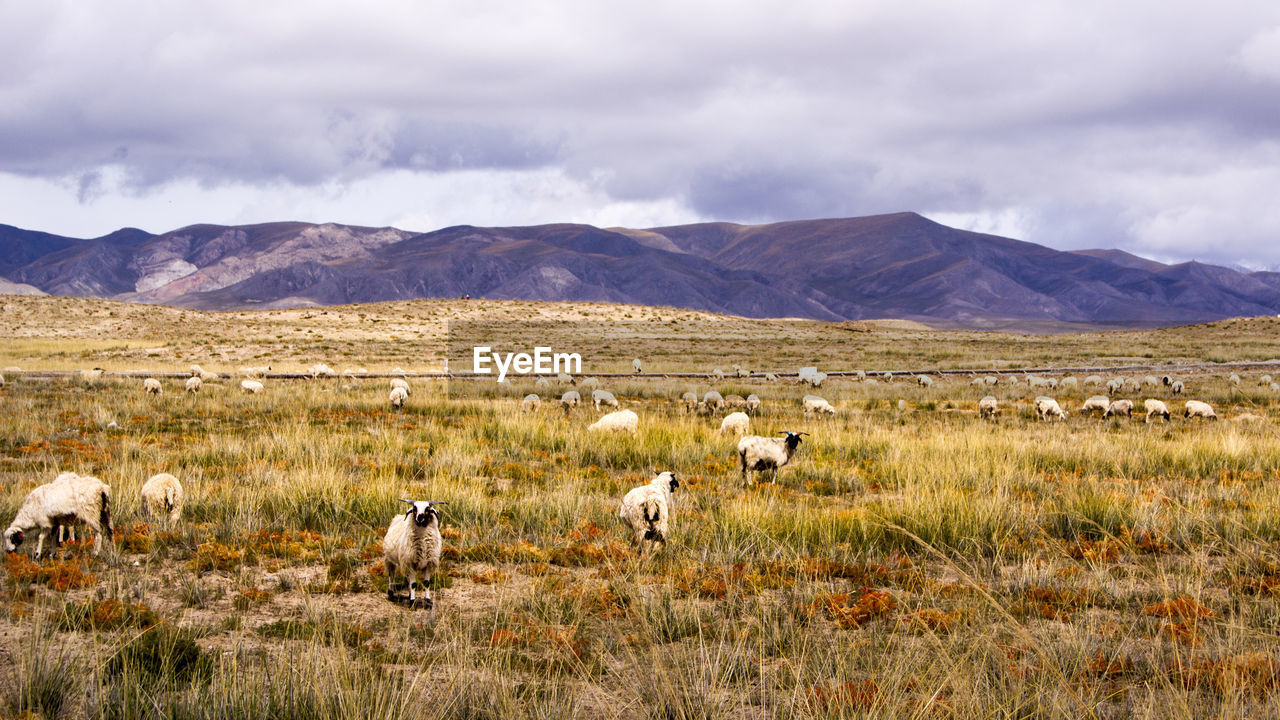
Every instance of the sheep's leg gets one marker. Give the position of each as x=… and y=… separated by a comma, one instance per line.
x=413, y=595
x=40, y=541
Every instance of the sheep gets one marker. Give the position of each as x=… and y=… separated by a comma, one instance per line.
x=531, y=402
x=569, y=400
x=193, y=383
x=737, y=423
x=412, y=547
x=589, y=383
x=1166, y=380
x=251, y=386
x=1151, y=380
x=1132, y=385
x=1, y=381
x=888, y=376
x=1275, y=387
x=735, y=402
x=758, y=453
x=603, y=397
x=151, y=386
x=647, y=511
x=1264, y=380
x=713, y=400
x=635, y=366
x=402, y=384
x=1118, y=408
x=1154, y=408
x=542, y=383
x=978, y=381
x=860, y=374
x=1093, y=380
x=70, y=498
x=810, y=376
x=1198, y=409
x=1012, y=379
x=1234, y=379
x=255, y=372
x=1069, y=382
x=770, y=377
x=703, y=408
x=320, y=370
x=1096, y=403
x=398, y=397
x=924, y=381
x=564, y=378
x=1035, y=381
x=753, y=404
x=90, y=377
x=1176, y=387
x=739, y=372
x=1047, y=408
x=617, y=421
x=716, y=374
x=690, y=400
x=1114, y=385
x=988, y=407
x=162, y=495
x=814, y=404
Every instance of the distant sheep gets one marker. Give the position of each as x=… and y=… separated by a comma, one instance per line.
x=740, y=372
x=162, y=496
x=255, y=372
x=1198, y=409
x=1068, y=383
x=988, y=407
x=770, y=377
x=69, y=499
x=564, y=378
x=1096, y=404
x=817, y=405
x=151, y=386
x=1035, y=381
x=412, y=548
x=716, y=375
x=569, y=401
x=589, y=383
x=758, y=454
x=193, y=384
x=320, y=370
x=1264, y=380
x=204, y=375
x=542, y=383
x=860, y=375
x=753, y=404
x=603, y=398
x=1155, y=408
x=1115, y=385
x=251, y=386
x=924, y=381
x=1151, y=381
x=1047, y=409
x=531, y=402
x=1234, y=379
x=617, y=421
x=690, y=400
x=1118, y=408
x=398, y=397
x=635, y=365
x=1176, y=387
x=810, y=376
x=1093, y=380
x=402, y=384
x=713, y=400
x=737, y=423
x=1166, y=380
x=735, y=402
x=647, y=511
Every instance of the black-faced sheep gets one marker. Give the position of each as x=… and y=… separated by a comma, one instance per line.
x=412, y=548
x=758, y=453
x=647, y=511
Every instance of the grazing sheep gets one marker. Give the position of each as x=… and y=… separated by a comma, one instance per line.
x=736, y=422
x=193, y=383
x=398, y=397
x=569, y=401
x=690, y=400
x=251, y=386
x=647, y=511
x=151, y=386
x=1197, y=409
x=635, y=366
x=564, y=378
x=1151, y=380
x=703, y=409
x=758, y=453
x=817, y=405
x=810, y=376
x=69, y=499
x=162, y=496
x=1166, y=380
x=1012, y=379
x=1093, y=380
x=924, y=381
x=1096, y=403
x=617, y=421
x=753, y=404
x=590, y=382
x=1114, y=385
x=412, y=547
x=1264, y=380
x=1176, y=387
x=988, y=407
x=320, y=370
x=1068, y=382
x=713, y=400
x=991, y=380
x=860, y=374
x=542, y=383
x=735, y=402
x=90, y=377
x=603, y=397
x=978, y=381
x=402, y=384
x=255, y=372
x=1047, y=408
x=739, y=372
x=1132, y=385
x=716, y=374
x=1035, y=381
x=770, y=377
x=1155, y=408
x=1275, y=387
x=1118, y=408
x=1234, y=379
x=531, y=402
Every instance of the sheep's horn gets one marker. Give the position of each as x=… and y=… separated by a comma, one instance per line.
x=437, y=502
x=802, y=433
x=406, y=501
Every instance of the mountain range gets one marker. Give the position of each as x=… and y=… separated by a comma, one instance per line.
x=886, y=266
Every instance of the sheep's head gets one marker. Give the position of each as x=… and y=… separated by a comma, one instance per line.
x=12, y=539
x=793, y=439
x=670, y=479
x=422, y=512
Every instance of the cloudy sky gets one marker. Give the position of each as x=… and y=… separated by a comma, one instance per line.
x=1150, y=126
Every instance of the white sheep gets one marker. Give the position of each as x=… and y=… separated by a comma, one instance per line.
x=758, y=453
x=1151, y=380
x=564, y=378
x=988, y=407
x=69, y=499
x=635, y=366
x=151, y=386
x=531, y=402
x=1234, y=379
x=162, y=495
x=753, y=404
x=402, y=384
x=810, y=376
x=740, y=372
x=1047, y=408
x=1275, y=387
x=690, y=400
x=398, y=397
x=590, y=382
x=1096, y=403
x=412, y=548
x=716, y=374
x=817, y=405
x=1176, y=387
x=924, y=381
x=1198, y=409
x=193, y=383
x=1068, y=382
x=252, y=387
x=618, y=421
x=255, y=372
x=603, y=397
x=320, y=370
x=1166, y=380
x=737, y=423
x=735, y=402
x=1035, y=381
x=978, y=381
x=1093, y=380
x=1114, y=385
x=542, y=383
x=1264, y=380
x=1155, y=408
x=991, y=380
x=770, y=377
x=713, y=400
x=1118, y=408
x=647, y=511
x=569, y=401
x=860, y=375
x=204, y=375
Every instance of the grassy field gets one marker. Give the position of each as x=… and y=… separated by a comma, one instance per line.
x=914, y=561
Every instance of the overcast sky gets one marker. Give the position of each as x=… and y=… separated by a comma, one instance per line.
x=1150, y=126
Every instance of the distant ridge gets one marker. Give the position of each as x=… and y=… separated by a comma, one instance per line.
x=900, y=265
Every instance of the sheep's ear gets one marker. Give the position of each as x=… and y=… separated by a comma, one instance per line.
x=16, y=538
